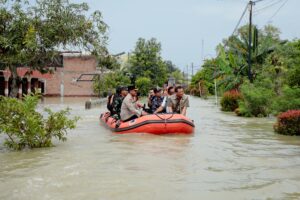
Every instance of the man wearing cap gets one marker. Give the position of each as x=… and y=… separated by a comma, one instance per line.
x=129, y=109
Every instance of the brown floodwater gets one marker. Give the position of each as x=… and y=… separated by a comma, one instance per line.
x=228, y=157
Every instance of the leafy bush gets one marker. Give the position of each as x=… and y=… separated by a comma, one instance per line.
x=293, y=76
x=27, y=128
x=229, y=101
x=143, y=84
x=257, y=100
x=193, y=91
x=290, y=100
x=288, y=123
x=109, y=82
x=243, y=110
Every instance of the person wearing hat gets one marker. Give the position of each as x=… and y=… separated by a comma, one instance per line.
x=117, y=102
x=129, y=109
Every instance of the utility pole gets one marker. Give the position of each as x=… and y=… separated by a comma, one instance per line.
x=187, y=75
x=215, y=82
x=202, y=50
x=251, y=3
x=192, y=69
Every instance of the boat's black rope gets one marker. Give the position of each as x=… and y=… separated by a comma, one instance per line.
x=164, y=118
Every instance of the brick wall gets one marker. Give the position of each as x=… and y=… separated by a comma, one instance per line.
x=66, y=76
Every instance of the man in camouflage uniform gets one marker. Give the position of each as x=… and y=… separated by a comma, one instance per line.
x=117, y=103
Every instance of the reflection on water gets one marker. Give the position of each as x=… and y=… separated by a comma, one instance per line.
x=227, y=158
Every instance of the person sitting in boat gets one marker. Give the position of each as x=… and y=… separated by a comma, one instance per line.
x=157, y=100
x=117, y=102
x=151, y=95
x=130, y=109
x=171, y=91
x=179, y=102
x=110, y=100
x=164, y=106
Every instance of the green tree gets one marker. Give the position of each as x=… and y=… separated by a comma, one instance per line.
x=110, y=81
x=177, y=74
x=205, y=76
x=27, y=128
x=230, y=66
x=33, y=34
x=171, y=67
x=275, y=69
x=233, y=54
x=146, y=61
x=144, y=84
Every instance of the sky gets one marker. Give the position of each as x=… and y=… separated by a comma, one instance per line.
x=182, y=25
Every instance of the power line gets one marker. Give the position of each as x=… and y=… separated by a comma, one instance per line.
x=277, y=11
x=238, y=24
x=267, y=6
x=267, y=3
x=240, y=20
x=257, y=1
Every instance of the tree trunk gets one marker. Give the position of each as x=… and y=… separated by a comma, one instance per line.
x=14, y=85
x=277, y=81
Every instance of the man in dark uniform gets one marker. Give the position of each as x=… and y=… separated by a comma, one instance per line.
x=157, y=100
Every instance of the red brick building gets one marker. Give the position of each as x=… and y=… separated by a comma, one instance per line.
x=61, y=83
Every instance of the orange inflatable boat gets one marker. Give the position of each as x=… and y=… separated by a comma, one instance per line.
x=156, y=124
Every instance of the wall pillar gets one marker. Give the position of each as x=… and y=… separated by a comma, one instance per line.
x=37, y=87
x=28, y=85
x=45, y=87
x=6, y=84
x=20, y=92
x=40, y=85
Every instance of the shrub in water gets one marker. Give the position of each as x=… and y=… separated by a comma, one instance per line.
x=27, y=128
x=229, y=101
x=243, y=110
x=288, y=123
x=256, y=101
x=289, y=100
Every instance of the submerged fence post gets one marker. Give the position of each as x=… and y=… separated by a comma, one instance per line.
x=88, y=104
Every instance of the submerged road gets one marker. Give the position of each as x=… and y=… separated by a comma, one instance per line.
x=228, y=157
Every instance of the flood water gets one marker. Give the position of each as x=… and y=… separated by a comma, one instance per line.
x=227, y=158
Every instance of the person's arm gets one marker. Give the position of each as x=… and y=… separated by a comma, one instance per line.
x=112, y=99
x=170, y=106
x=186, y=105
x=183, y=112
x=158, y=110
x=149, y=101
x=139, y=104
x=162, y=106
x=131, y=107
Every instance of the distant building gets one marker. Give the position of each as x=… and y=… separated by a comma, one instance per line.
x=63, y=81
x=171, y=81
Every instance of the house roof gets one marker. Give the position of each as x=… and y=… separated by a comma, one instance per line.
x=23, y=71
